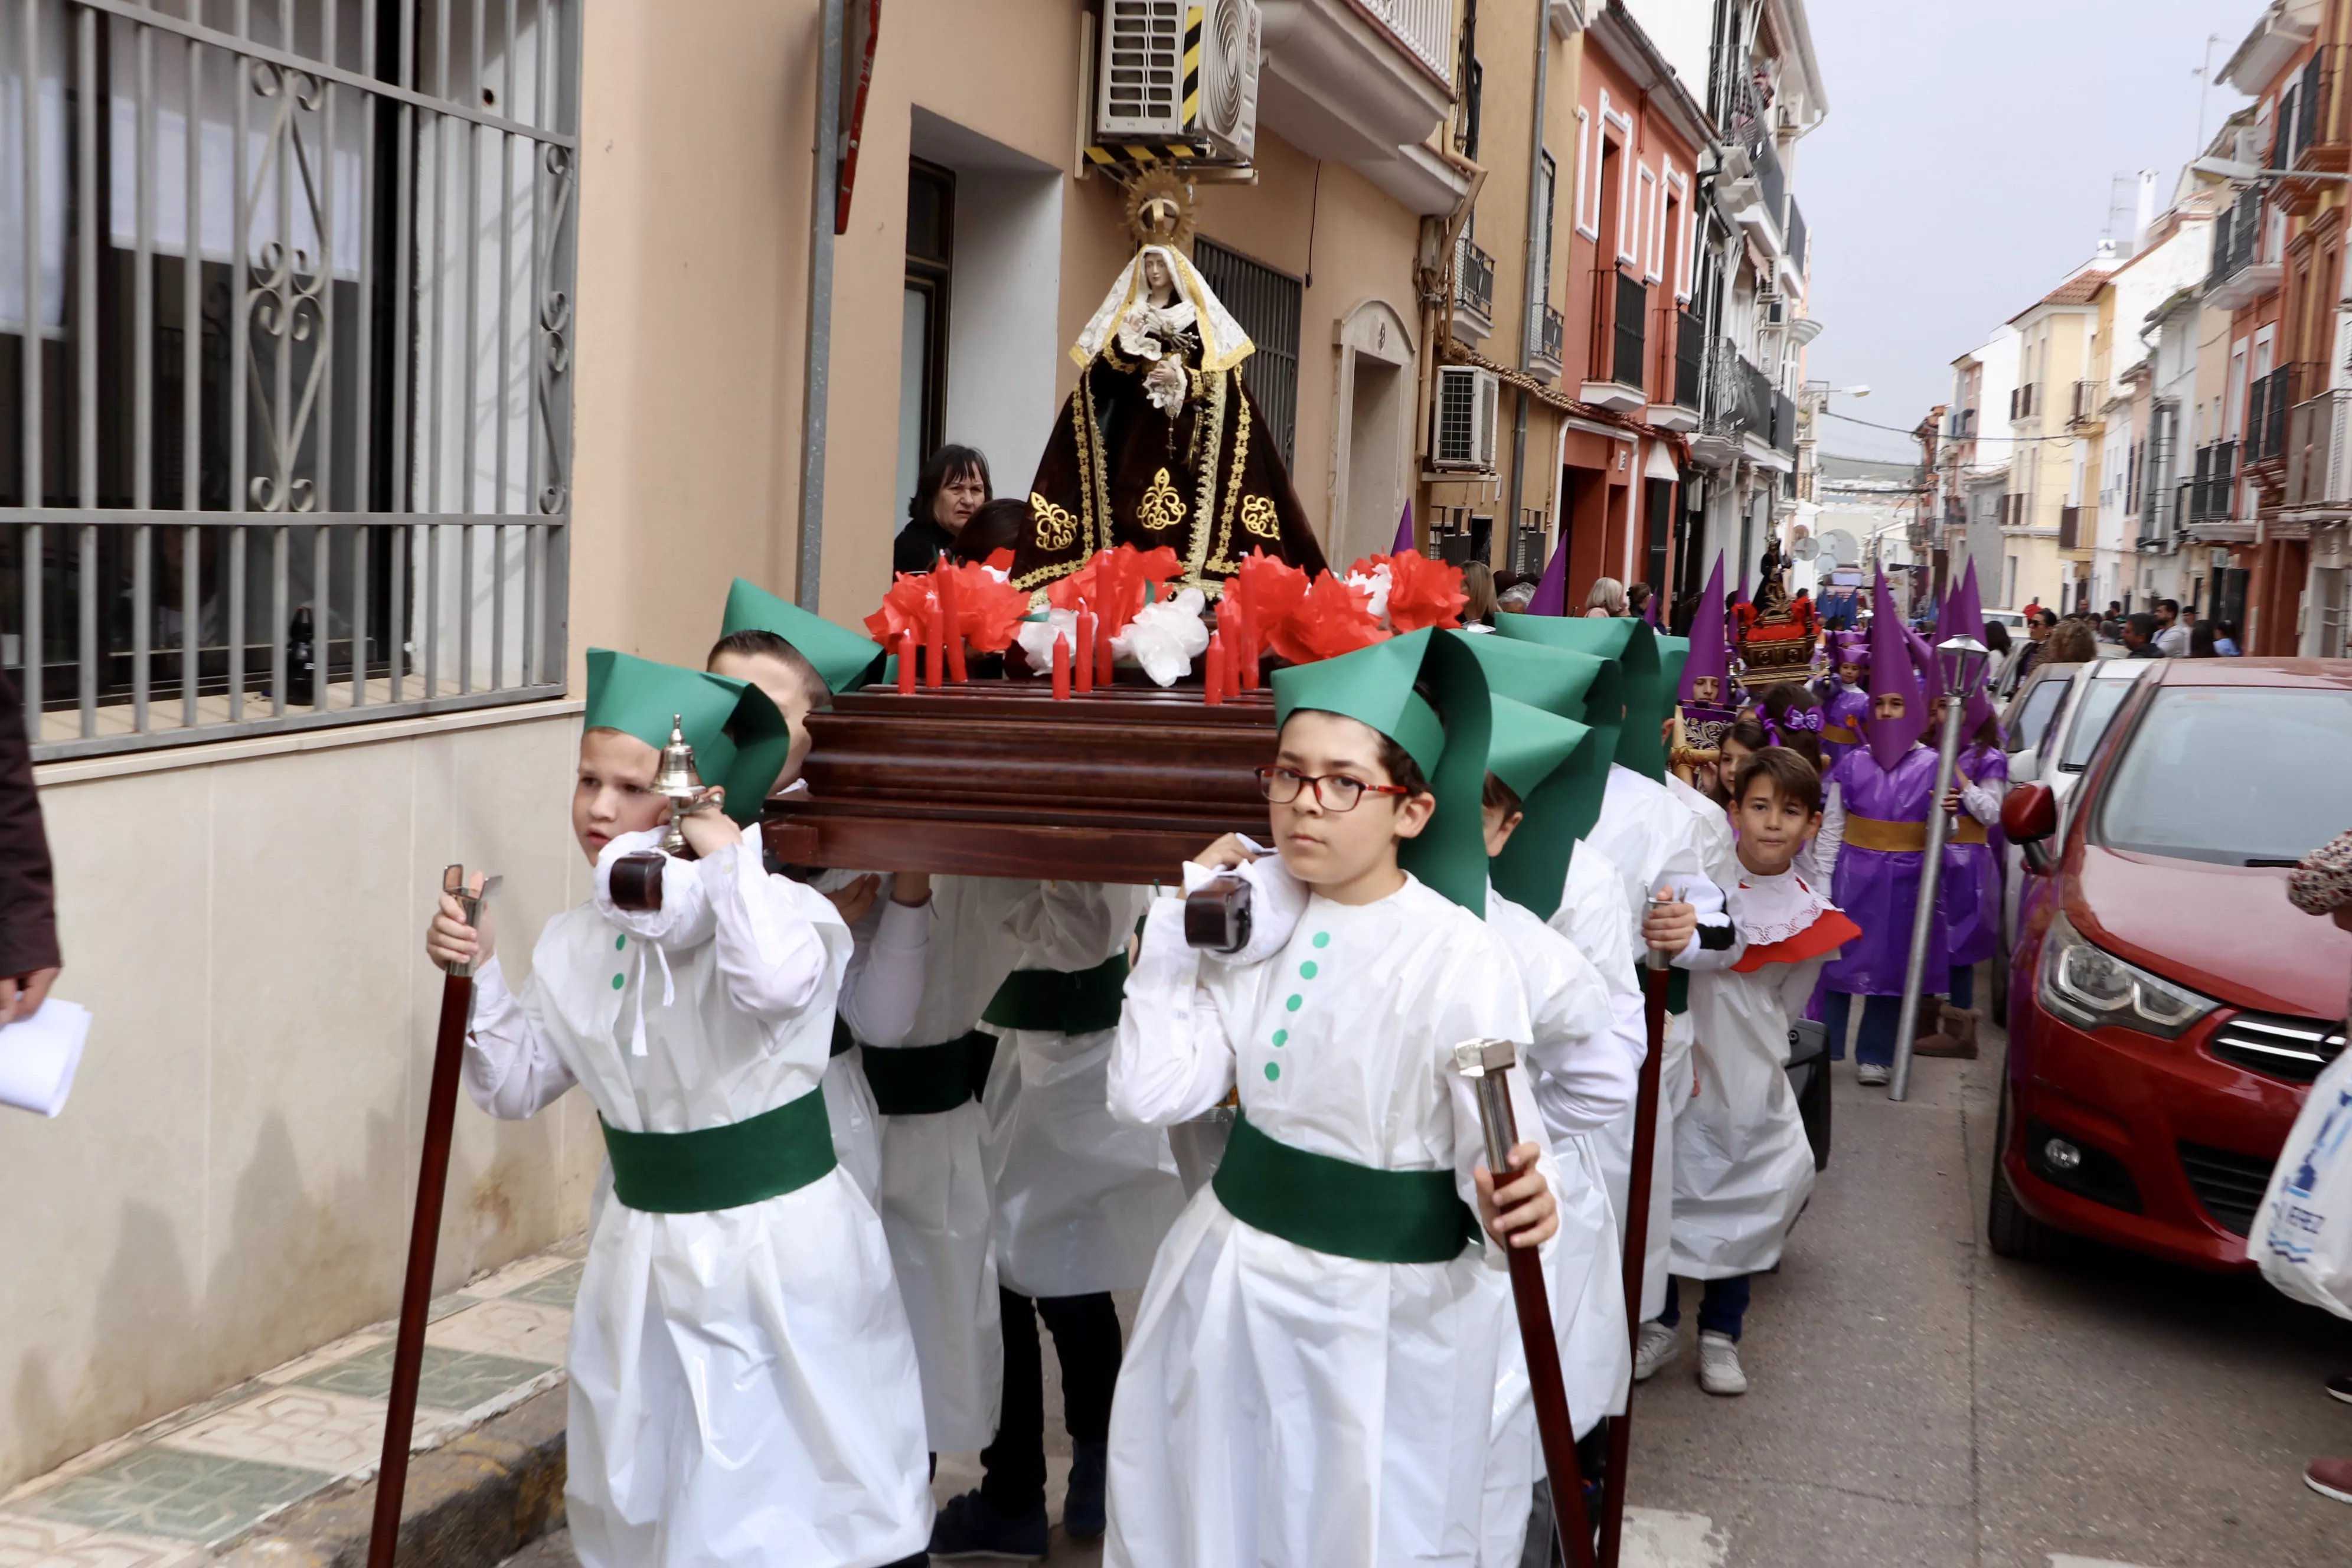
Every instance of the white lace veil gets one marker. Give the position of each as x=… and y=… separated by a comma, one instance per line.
x=1223, y=343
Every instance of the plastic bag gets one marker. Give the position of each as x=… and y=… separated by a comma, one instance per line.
x=2303, y=1232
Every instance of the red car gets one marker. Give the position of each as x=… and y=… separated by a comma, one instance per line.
x=2168, y=1004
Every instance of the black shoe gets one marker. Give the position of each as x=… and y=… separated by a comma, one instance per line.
x=2340, y=1388
x=968, y=1527
x=1082, y=1509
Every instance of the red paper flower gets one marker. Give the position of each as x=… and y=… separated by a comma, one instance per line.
x=1331, y=619
x=987, y=608
x=1272, y=588
x=1117, y=582
x=906, y=607
x=1423, y=592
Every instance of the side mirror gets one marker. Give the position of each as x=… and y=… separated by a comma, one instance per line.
x=2028, y=815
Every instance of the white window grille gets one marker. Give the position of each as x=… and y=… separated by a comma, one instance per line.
x=287, y=442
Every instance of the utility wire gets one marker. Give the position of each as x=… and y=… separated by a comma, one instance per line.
x=2018, y=441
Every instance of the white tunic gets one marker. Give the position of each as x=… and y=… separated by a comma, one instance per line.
x=1082, y=1200
x=878, y=1002
x=1279, y=1405
x=743, y=1388
x=936, y=1206
x=1743, y=1168
x=1586, y=1073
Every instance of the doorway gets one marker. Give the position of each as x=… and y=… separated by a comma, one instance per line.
x=1373, y=503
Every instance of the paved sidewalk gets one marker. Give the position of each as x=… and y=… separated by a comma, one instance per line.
x=181, y=1488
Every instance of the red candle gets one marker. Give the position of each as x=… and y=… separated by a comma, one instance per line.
x=1106, y=671
x=1212, y=681
x=1245, y=624
x=1234, y=661
x=935, y=640
x=1082, y=664
x=953, y=624
x=906, y=663
x=1061, y=668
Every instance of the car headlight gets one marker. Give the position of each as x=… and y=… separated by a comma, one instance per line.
x=2092, y=988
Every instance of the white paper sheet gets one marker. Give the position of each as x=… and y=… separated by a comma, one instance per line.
x=39, y=1056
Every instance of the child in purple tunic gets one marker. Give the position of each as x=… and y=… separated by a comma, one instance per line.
x=1847, y=706
x=1969, y=893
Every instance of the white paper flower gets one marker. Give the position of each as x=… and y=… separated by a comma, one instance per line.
x=1166, y=636
x=1377, y=585
x=1036, y=639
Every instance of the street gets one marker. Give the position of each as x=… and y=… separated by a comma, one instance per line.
x=1916, y=1400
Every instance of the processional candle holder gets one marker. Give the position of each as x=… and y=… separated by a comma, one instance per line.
x=1960, y=665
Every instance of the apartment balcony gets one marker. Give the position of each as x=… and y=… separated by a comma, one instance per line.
x=1690, y=377
x=2319, y=453
x=1473, y=291
x=1784, y=425
x=2212, y=489
x=1794, y=228
x=1550, y=336
x=1616, y=379
x=2315, y=124
x=1364, y=82
x=2268, y=402
x=2243, y=270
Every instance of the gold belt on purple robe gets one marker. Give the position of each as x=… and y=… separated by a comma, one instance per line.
x=1839, y=733
x=1907, y=837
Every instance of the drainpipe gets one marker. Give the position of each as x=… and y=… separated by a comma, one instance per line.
x=1527, y=305
x=817, y=382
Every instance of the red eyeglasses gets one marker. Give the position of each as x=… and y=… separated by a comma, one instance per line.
x=1333, y=792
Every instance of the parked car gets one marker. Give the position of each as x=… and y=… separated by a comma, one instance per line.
x=2088, y=702
x=2168, y=1004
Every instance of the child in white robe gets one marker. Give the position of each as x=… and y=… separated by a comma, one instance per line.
x=1311, y=1377
x=1743, y=1167
x=743, y=1386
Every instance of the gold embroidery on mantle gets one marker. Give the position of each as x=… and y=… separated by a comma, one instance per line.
x=1221, y=559
x=1056, y=528
x=1161, y=507
x=1258, y=516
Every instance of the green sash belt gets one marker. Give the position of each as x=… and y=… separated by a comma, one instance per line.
x=1339, y=1207
x=776, y=1152
x=1051, y=1000
x=924, y=1080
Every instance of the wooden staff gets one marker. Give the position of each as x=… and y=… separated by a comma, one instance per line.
x=1637, y=1238
x=425, y=1234
x=1487, y=1064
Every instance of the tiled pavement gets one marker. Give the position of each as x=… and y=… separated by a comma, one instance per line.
x=164, y=1495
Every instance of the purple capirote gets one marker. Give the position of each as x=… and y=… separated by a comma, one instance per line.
x=1893, y=673
x=1879, y=888
x=1970, y=894
x=1710, y=646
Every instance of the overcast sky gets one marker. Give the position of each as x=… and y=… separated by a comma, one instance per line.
x=1964, y=169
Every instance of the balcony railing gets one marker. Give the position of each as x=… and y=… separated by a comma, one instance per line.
x=1629, y=334
x=1551, y=334
x=1784, y=423
x=1690, y=360
x=2319, y=451
x=2211, y=491
x=2314, y=136
x=1424, y=26
x=1474, y=281
x=1795, y=230
x=2268, y=402
x=2237, y=240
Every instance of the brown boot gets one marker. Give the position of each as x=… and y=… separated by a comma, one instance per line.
x=1955, y=1037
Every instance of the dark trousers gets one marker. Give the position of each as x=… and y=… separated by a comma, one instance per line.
x=1881, y=1014
x=1086, y=1340
x=1722, y=1306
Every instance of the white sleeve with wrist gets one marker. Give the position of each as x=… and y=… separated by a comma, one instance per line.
x=769, y=956
x=1982, y=802
x=1172, y=1060
x=1832, y=837
x=511, y=1072
x=885, y=984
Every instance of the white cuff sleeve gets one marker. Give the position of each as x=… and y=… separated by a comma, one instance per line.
x=511, y=1072
x=769, y=955
x=1170, y=1060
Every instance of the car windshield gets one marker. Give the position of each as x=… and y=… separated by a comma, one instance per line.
x=2091, y=715
x=2034, y=715
x=2235, y=775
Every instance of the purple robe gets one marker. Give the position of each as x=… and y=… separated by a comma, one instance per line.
x=1970, y=891
x=1845, y=709
x=1877, y=888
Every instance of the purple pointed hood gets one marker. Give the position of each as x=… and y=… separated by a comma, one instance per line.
x=1710, y=653
x=1551, y=591
x=1965, y=614
x=1892, y=672
x=1404, y=544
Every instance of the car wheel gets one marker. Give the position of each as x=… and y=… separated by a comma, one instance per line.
x=2012, y=1232
x=2000, y=988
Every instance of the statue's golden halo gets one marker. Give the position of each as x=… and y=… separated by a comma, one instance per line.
x=1159, y=208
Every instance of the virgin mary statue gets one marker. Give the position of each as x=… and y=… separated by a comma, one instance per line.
x=1161, y=443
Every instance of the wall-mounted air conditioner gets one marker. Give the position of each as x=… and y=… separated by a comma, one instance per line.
x=1145, y=92
x=1465, y=418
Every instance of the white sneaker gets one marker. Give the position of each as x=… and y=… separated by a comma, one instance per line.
x=1870, y=1073
x=1718, y=1364
x=1657, y=1346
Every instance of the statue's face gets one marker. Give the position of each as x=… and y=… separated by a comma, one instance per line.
x=1155, y=273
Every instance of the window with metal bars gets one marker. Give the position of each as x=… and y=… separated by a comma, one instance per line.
x=1266, y=303
x=286, y=403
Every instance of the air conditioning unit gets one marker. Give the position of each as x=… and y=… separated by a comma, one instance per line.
x=1775, y=309
x=1467, y=401
x=1146, y=91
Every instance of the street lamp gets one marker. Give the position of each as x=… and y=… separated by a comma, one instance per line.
x=1960, y=664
